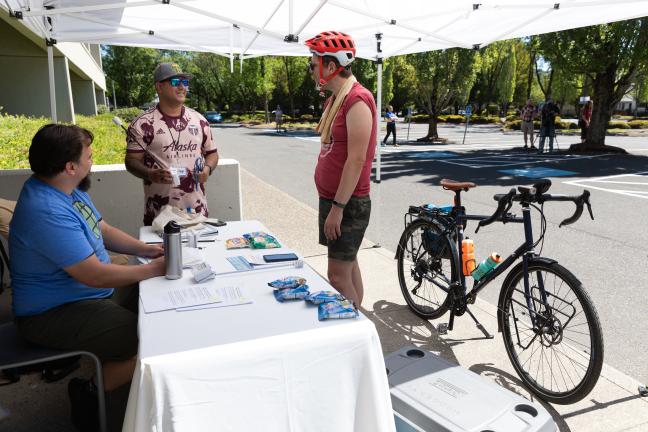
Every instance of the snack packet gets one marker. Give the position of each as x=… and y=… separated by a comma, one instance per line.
x=324, y=297
x=288, y=282
x=237, y=243
x=291, y=293
x=261, y=240
x=336, y=310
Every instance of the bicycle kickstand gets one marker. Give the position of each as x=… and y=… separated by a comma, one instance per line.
x=480, y=325
x=443, y=328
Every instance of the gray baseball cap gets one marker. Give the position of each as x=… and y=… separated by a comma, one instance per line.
x=165, y=71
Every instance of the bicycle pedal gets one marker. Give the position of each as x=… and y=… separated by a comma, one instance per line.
x=442, y=328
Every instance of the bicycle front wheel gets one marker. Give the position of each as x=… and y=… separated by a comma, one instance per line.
x=427, y=261
x=554, y=340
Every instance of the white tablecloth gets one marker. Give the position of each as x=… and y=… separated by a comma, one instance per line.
x=265, y=366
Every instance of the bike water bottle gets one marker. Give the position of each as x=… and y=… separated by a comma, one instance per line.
x=467, y=256
x=173, y=250
x=486, y=266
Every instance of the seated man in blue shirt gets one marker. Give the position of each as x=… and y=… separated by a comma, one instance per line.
x=66, y=292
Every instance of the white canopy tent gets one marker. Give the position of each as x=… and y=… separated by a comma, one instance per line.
x=252, y=28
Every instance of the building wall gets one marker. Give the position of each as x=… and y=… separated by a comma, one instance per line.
x=24, y=78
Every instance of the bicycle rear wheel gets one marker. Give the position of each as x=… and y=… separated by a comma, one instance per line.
x=559, y=357
x=427, y=261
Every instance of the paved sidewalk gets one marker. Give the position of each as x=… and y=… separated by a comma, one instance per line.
x=614, y=404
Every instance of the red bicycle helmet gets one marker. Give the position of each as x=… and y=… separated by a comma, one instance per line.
x=335, y=44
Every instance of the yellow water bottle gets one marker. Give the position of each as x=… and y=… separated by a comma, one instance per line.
x=467, y=256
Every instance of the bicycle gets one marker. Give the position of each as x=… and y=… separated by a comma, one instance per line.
x=549, y=325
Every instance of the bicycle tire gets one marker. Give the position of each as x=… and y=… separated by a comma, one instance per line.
x=562, y=328
x=425, y=270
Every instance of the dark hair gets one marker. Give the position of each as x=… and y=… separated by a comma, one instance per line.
x=344, y=73
x=54, y=145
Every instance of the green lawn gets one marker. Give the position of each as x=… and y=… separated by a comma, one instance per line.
x=16, y=133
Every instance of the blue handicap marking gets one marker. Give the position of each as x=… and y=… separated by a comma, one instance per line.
x=431, y=155
x=537, y=172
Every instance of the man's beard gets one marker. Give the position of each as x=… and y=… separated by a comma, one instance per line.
x=84, y=185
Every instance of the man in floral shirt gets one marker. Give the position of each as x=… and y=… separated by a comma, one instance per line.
x=170, y=147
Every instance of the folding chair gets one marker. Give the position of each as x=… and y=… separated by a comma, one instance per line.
x=17, y=352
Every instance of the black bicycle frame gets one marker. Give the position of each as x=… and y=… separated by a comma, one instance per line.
x=525, y=250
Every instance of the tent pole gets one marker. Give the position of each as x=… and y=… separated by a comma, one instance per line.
x=379, y=61
x=52, y=85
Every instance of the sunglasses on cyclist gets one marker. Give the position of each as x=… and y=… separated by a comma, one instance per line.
x=175, y=82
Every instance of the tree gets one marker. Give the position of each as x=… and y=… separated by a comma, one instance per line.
x=295, y=70
x=495, y=79
x=438, y=78
x=132, y=71
x=610, y=56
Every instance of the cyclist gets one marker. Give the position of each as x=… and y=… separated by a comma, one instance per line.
x=348, y=138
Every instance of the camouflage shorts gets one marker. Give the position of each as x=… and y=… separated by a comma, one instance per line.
x=355, y=220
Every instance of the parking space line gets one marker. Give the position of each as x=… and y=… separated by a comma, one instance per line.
x=589, y=183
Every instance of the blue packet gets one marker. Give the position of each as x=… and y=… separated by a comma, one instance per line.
x=336, y=310
x=298, y=293
x=287, y=282
x=324, y=297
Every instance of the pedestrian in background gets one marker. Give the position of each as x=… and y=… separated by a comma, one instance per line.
x=548, y=123
x=390, y=118
x=585, y=119
x=528, y=113
x=278, y=118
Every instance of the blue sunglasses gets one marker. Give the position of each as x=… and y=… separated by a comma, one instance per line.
x=175, y=82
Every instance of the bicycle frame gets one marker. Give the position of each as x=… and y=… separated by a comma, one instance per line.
x=524, y=251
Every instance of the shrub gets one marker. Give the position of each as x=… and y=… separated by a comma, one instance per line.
x=306, y=118
x=512, y=117
x=484, y=120
x=102, y=109
x=638, y=124
x=513, y=124
x=420, y=118
x=127, y=114
x=454, y=119
x=617, y=125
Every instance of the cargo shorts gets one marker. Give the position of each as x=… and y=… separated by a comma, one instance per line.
x=355, y=219
x=105, y=327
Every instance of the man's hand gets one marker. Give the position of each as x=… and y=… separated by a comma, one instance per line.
x=159, y=268
x=159, y=175
x=151, y=251
x=203, y=175
x=332, y=224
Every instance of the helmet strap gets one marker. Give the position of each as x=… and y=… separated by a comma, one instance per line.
x=323, y=80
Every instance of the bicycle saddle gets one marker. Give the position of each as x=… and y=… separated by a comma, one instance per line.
x=454, y=185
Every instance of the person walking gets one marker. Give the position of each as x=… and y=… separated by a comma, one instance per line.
x=390, y=118
x=528, y=114
x=585, y=119
x=348, y=130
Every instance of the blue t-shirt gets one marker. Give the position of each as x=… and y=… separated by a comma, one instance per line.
x=390, y=116
x=49, y=231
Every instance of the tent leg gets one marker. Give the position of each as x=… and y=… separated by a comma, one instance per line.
x=52, y=85
x=378, y=116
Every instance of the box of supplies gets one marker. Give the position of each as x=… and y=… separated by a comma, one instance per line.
x=432, y=394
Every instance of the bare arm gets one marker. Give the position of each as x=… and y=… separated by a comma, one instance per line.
x=118, y=241
x=94, y=273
